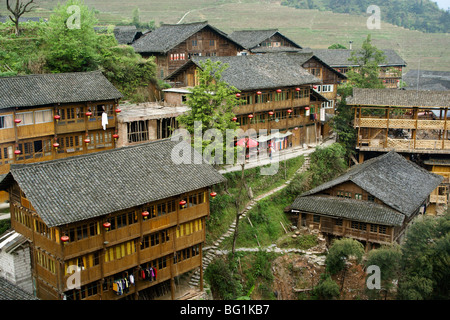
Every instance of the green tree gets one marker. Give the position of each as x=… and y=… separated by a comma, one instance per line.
x=388, y=259
x=368, y=59
x=337, y=46
x=70, y=41
x=326, y=289
x=327, y=163
x=339, y=254
x=210, y=104
x=425, y=260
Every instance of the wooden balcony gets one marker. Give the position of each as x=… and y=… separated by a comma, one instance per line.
x=118, y=265
x=152, y=253
x=159, y=223
x=190, y=240
x=35, y=130
x=122, y=234
x=272, y=105
x=86, y=276
x=194, y=212
x=438, y=199
x=404, y=145
x=424, y=124
x=7, y=135
x=74, y=249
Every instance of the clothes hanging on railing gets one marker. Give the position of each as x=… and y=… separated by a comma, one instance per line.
x=149, y=274
x=121, y=286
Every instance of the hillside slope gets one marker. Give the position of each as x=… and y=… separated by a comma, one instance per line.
x=309, y=28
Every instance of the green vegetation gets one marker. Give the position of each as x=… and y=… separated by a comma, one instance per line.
x=424, y=15
x=54, y=47
x=210, y=111
x=368, y=58
x=223, y=210
x=326, y=289
x=4, y=225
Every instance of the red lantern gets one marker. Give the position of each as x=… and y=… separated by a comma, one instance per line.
x=87, y=140
x=314, y=87
x=64, y=239
x=259, y=93
x=289, y=111
x=17, y=121
x=238, y=95
x=88, y=114
x=270, y=113
x=297, y=89
x=234, y=119
x=57, y=117
x=56, y=145
x=182, y=203
x=118, y=110
x=296, y=128
x=17, y=152
x=384, y=81
x=213, y=194
x=145, y=215
x=115, y=136
x=306, y=108
x=107, y=225
x=278, y=90
x=250, y=116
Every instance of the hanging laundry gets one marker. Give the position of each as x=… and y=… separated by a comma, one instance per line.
x=104, y=120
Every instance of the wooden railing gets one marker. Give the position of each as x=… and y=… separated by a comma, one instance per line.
x=272, y=105
x=438, y=199
x=400, y=123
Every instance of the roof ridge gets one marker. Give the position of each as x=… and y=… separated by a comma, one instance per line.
x=50, y=74
x=19, y=166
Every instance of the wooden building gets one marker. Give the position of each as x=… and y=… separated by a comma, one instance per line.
x=391, y=72
x=275, y=92
x=263, y=41
x=114, y=224
x=174, y=44
x=149, y=121
x=413, y=123
x=372, y=202
x=50, y=116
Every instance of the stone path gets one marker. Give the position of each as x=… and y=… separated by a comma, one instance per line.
x=209, y=253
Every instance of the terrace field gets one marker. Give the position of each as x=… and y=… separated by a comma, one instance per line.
x=309, y=28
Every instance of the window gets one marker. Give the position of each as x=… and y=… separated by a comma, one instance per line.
x=316, y=219
x=137, y=131
x=326, y=88
x=377, y=228
x=6, y=121
x=43, y=116
x=358, y=196
x=84, y=231
x=358, y=225
x=26, y=117
x=119, y=251
x=211, y=43
x=371, y=198
x=338, y=222
x=194, y=43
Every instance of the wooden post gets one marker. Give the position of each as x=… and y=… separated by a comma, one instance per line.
x=445, y=128
x=416, y=117
x=201, y=264
x=388, y=110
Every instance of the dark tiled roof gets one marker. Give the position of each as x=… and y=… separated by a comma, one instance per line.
x=251, y=39
x=405, y=98
x=350, y=209
x=340, y=57
x=168, y=36
x=427, y=80
x=9, y=291
x=259, y=72
x=397, y=182
x=82, y=187
x=125, y=34
x=43, y=89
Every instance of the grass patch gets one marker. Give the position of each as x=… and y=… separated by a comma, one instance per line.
x=304, y=242
x=222, y=207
